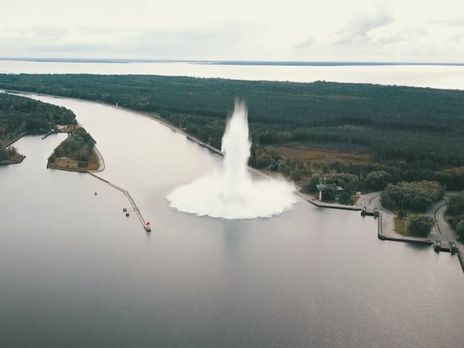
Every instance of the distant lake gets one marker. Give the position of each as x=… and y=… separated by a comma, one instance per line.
x=435, y=76
x=75, y=272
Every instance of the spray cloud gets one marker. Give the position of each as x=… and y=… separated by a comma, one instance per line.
x=232, y=193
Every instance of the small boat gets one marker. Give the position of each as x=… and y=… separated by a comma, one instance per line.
x=147, y=227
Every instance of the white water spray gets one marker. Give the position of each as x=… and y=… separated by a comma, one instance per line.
x=232, y=193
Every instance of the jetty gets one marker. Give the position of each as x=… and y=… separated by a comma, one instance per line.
x=145, y=224
x=53, y=131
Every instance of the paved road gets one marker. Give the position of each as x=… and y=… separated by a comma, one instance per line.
x=441, y=229
x=370, y=200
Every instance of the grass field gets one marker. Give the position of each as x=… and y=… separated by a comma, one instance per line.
x=319, y=155
x=69, y=164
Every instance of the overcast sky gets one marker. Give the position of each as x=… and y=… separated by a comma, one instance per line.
x=340, y=30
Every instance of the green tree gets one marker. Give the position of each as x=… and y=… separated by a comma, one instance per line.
x=415, y=196
x=420, y=225
x=378, y=179
x=456, y=205
x=460, y=229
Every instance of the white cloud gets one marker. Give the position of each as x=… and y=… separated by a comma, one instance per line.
x=410, y=30
x=359, y=30
x=308, y=42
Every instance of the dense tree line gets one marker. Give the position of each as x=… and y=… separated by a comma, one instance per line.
x=9, y=153
x=413, y=196
x=411, y=134
x=78, y=147
x=455, y=214
x=20, y=115
x=420, y=225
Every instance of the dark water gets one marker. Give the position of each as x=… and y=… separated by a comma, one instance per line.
x=75, y=272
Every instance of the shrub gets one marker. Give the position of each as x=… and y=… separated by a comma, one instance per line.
x=378, y=179
x=460, y=229
x=420, y=225
x=415, y=196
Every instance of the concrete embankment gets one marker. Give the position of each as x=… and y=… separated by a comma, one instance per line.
x=461, y=256
x=320, y=204
x=385, y=232
x=390, y=235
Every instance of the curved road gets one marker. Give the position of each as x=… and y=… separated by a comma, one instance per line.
x=441, y=229
x=370, y=200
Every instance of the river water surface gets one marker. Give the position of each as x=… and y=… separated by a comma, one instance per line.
x=75, y=272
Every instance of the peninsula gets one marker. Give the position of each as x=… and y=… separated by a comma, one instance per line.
x=21, y=116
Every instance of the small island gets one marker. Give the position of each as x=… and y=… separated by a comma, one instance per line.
x=76, y=153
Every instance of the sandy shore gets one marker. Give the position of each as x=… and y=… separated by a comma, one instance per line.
x=101, y=161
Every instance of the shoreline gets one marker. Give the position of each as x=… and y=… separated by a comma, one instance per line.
x=157, y=117
x=15, y=139
x=9, y=143
x=12, y=161
x=101, y=161
x=95, y=153
x=386, y=217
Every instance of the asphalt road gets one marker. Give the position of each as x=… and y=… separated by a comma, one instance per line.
x=370, y=200
x=441, y=229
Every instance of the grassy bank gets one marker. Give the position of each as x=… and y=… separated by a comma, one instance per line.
x=76, y=153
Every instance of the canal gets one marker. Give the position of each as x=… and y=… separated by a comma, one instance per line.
x=74, y=271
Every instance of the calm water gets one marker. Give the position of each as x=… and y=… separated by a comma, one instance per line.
x=75, y=272
x=419, y=76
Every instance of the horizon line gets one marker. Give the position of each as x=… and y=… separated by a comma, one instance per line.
x=230, y=62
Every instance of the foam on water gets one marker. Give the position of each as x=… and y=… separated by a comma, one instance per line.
x=231, y=192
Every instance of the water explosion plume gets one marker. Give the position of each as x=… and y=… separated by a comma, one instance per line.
x=232, y=193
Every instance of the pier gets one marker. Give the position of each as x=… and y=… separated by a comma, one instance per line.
x=53, y=131
x=145, y=224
